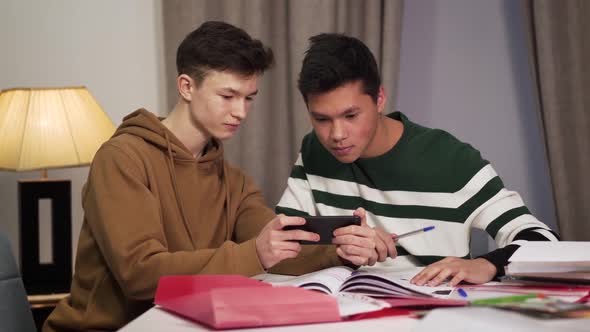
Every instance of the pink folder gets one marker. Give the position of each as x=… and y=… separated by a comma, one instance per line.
x=231, y=301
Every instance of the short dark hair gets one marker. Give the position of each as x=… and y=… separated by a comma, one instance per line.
x=221, y=46
x=335, y=59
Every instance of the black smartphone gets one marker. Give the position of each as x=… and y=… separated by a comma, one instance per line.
x=325, y=226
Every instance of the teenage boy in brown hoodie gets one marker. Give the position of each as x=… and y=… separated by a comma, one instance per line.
x=161, y=200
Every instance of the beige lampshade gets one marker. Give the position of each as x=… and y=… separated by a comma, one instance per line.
x=50, y=128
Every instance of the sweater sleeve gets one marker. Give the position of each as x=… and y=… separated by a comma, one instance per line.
x=505, y=217
x=125, y=220
x=499, y=257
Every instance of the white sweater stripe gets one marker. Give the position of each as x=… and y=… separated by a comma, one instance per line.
x=504, y=200
x=400, y=197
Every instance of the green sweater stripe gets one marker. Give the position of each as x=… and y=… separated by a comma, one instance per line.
x=401, y=251
x=459, y=214
x=426, y=260
x=505, y=218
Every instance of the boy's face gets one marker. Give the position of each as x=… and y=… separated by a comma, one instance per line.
x=221, y=102
x=345, y=120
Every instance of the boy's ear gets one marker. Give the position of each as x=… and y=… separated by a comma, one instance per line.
x=184, y=84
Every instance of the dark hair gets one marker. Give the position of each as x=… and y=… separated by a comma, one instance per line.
x=221, y=46
x=335, y=59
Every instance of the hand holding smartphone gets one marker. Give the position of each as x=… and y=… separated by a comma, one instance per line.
x=324, y=226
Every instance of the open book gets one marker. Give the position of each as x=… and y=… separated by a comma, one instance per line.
x=372, y=282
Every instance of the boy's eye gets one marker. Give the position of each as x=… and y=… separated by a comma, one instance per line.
x=351, y=116
x=226, y=97
x=250, y=98
x=320, y=119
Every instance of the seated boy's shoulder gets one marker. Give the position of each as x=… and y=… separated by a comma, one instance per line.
x=437, y=154
x=121, y=148
x=126, y=141
x=442, y=145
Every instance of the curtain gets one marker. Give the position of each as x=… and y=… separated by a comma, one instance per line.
x=559, y=35
x=268, y=143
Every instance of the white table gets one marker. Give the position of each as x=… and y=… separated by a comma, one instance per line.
x=157, y=319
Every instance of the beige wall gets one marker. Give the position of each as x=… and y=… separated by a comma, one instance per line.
x=112, y=47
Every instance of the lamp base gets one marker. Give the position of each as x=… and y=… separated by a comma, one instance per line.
x=43, y=278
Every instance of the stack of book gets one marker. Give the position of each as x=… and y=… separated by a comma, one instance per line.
x=564, y=261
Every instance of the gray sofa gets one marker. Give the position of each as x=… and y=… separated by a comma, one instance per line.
x=15, y=312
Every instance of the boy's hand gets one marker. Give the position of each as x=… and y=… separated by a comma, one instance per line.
x=477, y=271
x=357, y=244
x=274, y=244
x=385, y=245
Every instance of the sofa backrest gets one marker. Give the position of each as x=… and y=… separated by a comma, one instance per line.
x=15, y=311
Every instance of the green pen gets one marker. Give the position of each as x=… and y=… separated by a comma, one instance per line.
x=505, y=299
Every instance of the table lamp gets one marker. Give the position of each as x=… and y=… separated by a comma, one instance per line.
x=43, y=128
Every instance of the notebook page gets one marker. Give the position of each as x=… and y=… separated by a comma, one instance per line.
x=326, y=280
x=394, y=283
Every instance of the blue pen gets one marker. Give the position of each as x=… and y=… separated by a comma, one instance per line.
x=425, y=229
x=462, y=292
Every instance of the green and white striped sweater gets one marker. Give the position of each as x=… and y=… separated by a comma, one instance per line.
x=428, y=178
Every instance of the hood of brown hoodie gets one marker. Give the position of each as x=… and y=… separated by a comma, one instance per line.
x=146, y=125
x=149, y=127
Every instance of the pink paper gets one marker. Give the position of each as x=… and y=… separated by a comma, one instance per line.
x=224, y=301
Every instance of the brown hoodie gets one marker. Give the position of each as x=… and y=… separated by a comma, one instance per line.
x=152, y=209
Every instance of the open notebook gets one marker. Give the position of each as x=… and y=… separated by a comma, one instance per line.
x=372, y=282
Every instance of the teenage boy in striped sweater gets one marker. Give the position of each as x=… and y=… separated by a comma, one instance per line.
x=397, y=175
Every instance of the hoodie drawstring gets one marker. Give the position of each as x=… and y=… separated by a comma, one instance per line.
x=173, y=177
x=225, y=180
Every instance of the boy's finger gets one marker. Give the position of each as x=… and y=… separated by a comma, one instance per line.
x=282, y=221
